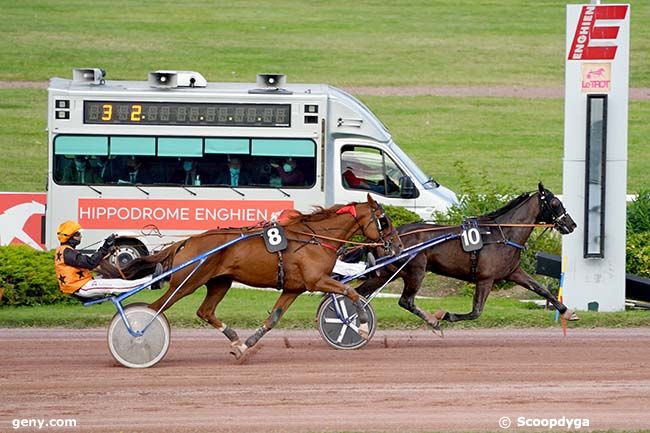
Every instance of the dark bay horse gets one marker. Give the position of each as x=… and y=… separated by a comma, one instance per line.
x=499, y=259
x=305, y=265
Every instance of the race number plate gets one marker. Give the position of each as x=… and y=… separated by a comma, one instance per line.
x=275, y=239
x=470, y=237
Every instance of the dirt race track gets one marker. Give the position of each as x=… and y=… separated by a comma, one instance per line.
x=402, y=381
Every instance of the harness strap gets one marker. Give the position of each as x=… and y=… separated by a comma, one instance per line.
x=344, y=241
x=312, y=241
x=280, y=285
x=328, y=246
x=117, y=262
x=473, y=258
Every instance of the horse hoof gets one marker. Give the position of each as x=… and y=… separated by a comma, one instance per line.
x=437, y=329
x=570, y=315
x=238, y=350
x=247, y=354
x=440, y=314
x=364, y=331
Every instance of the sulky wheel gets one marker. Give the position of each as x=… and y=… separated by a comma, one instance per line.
x=333, y=328
x=143, y=351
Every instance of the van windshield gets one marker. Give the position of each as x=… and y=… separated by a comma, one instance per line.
x=420, y=176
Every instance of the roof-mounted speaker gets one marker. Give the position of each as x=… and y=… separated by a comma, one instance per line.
x=271, y=83
x=89, y=75
x=171, y=79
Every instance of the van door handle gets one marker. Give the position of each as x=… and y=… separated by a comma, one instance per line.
x=355, y=123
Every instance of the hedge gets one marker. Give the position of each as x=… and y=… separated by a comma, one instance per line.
x=638, y=254
x=27, y=277
x=638, y=213
x=638, y=235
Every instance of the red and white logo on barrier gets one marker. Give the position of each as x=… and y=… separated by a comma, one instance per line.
x=176, y=214
x=596, y=77
x=20, y=218
x=596, y=32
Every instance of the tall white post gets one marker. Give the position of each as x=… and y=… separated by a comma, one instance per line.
x=595, y=127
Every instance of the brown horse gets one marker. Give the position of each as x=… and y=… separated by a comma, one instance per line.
x=305, y=265
x=499, y=259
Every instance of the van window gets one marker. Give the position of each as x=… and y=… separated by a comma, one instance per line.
x=86, y=144
x=188, y=147
x=228, y=146
x=368, y=168
x=196, y=161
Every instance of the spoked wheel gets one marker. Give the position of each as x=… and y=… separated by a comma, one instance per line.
x=143, y=351
x=335, y=331
x=127, y=251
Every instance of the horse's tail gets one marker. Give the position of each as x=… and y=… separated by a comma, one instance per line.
x=143, y=266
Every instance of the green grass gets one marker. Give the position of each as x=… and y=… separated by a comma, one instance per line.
x=248, y=308
x=23, y=140
x=464, y=42
x=516, y=141
x=468, y=42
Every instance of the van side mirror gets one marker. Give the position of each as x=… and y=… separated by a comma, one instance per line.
x=407, y=188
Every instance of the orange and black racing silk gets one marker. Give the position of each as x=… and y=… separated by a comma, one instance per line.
x=70, y=278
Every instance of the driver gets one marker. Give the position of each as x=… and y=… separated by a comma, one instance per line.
x=73, y=269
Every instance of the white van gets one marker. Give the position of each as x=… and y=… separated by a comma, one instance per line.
x=175, y=155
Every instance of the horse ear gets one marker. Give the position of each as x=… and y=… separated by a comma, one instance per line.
x=370, y=199
x=540, y=185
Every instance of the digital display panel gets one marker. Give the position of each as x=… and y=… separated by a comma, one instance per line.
x=186, y=114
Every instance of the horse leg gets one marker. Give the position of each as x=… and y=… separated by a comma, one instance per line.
x=281, y=306
x=413, y=277
x=327, y=284
x=217, y=289
x=481, y=293
x=369, y=286
x=407, y=301
x=520, y=277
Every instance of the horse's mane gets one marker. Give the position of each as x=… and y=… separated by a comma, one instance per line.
x=515, y=202
x=319, y=213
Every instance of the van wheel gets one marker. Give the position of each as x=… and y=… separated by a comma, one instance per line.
x=127, y=250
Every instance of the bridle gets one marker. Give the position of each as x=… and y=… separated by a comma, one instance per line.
x=381, y=223
x=545, y=209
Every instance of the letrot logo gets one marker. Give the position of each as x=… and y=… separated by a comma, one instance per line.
x=596, y=32
x=596, y=77
x=592, y=74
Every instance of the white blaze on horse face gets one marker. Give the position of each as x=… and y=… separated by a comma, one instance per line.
x=13, y=220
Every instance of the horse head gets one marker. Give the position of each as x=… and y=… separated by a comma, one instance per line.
x=377, y=226
x=552, y=211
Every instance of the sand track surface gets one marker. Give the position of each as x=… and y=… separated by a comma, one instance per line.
x=401, y=381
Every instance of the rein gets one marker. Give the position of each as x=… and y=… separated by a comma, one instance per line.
x=117, y=264
x=344, y=241
x=434, y=229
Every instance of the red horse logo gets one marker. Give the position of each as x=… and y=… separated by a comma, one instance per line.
x=596, y=73
x=13, y=220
